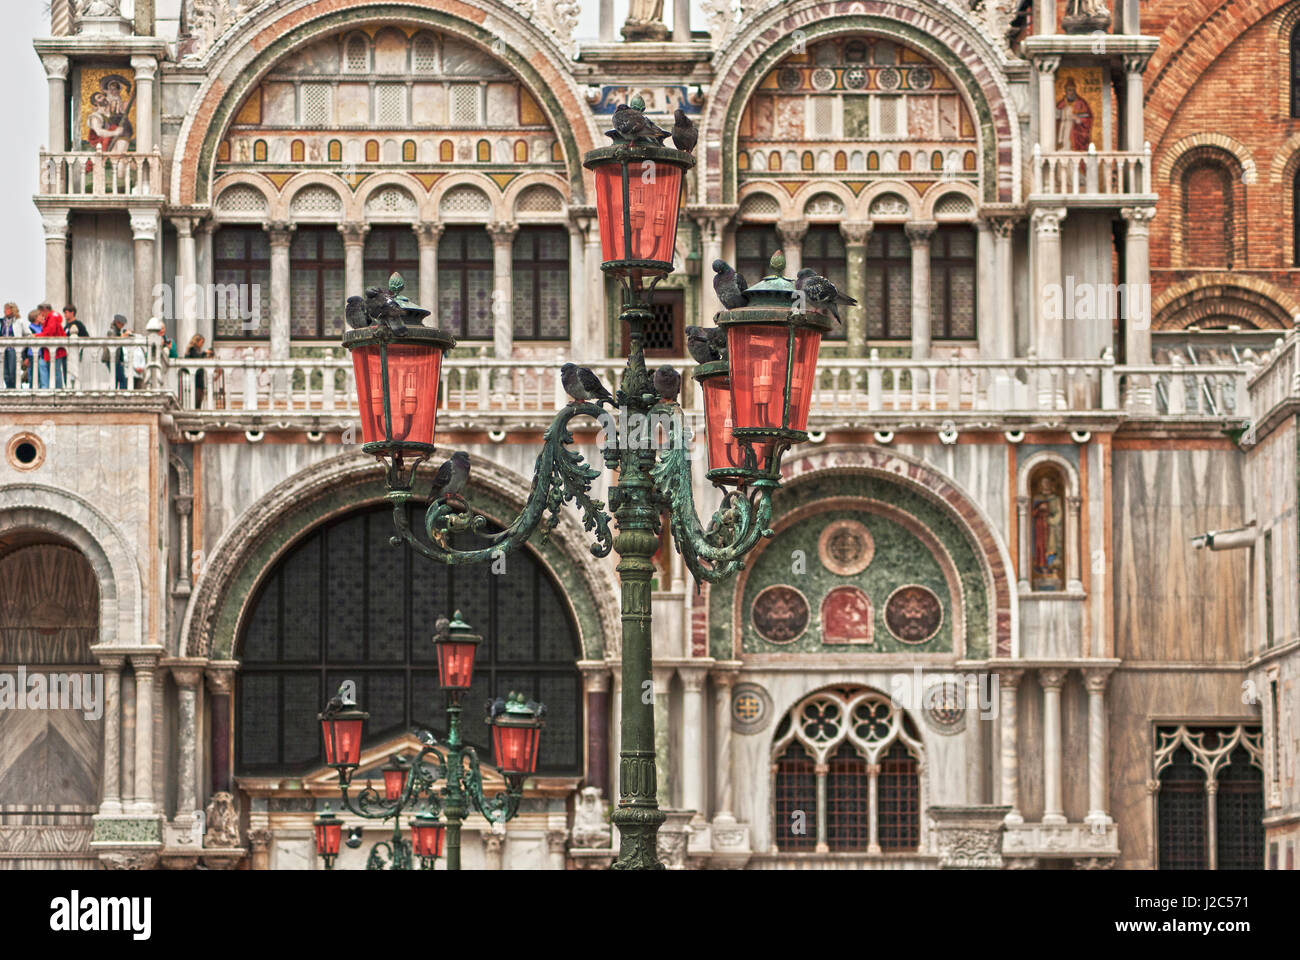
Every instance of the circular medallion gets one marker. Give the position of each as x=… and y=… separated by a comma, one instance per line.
x=845, y=547
x=751, y=708
x=913, y=613
x=888, y=79
x=846, y=615
x=855, y=78
x=25, y=451
x=789, y=78
x=945, y=708
x=780, y=614
x=920, y=78
x=823, y=78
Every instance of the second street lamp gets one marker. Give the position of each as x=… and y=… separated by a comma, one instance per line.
x=638, y=193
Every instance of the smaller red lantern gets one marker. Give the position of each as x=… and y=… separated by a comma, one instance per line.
x=329, y=831
x=726, y=454
x=456, y=649
x=341, y=727
x=516, y=733
x=427, y=833
x=394, y=771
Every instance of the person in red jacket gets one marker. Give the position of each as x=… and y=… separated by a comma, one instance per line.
x=53, y=327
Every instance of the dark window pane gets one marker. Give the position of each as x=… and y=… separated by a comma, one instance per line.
x=795, y=822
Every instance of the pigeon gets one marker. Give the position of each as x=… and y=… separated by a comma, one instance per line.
x=441, y=628
x=685, y=133
x=355, y=313
x=496, y=707
x=729, y=285
x=633, y=125
x=581, y=384
x=452, y=476
x=697, y=343
x=668, y=383
x=382, y=307
x=820, y=291
x=336, y=703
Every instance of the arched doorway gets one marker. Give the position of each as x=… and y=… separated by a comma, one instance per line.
x=343, y=603
x=51, y=703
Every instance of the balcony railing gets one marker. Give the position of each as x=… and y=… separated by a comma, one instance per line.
x=849, y=391
x=92, y=174
x=1278, y=379
x=1117, y=175
x=86, y=371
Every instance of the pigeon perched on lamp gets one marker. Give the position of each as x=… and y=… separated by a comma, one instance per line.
x=633, y=126
x=452, y=477
x=685, y=133
x=729, y=286
x=355, y=313
x=820, y=292
x=583, y=385
x=668, y=383
x=706, y=344
x=382, y=307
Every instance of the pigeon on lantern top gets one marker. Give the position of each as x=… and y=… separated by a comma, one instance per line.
x=729, y=286
x=706, y=344
x=337, y=703
x=631, y=125
x=668, y=383
x=441, y=628
x=385, y=309
x=820, y=292
x=355, y=313
x=452, y=477
x=581, y=384
x=685, y=134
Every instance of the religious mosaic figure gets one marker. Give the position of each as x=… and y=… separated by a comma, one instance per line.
x=1047, y=519
x=780, y=614
x=108, y=126
x=1073, y=120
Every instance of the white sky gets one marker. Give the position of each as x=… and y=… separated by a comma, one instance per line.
x=25, y=122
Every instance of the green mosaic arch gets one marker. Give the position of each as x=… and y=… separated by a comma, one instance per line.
x=251, y=71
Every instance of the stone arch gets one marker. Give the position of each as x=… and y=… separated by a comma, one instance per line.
x=885, y=187
x=991, y=551
x=1238, y=169
x=240, y=183
x=496, y=205
x=253, y=543
x=951, y=40
x=1256, y=302
x=306, y=182
x=529, y=181
x=785, y=208
x=940, y=192
x=811, y=190
x=242, y=57
x=1175, y=154
x=38, y=506
x=355, y=205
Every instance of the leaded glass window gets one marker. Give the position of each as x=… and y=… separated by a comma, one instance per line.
x=1239, y=812
x=899, y=800
x=889, y=284
x=316, y=292
x=1180, y=810
x=465, y=279
x=540, y=283
x=847, y=792
x=241, y=273
x=344, y=604
x=796, y=800
x=391, y=250
x=952, y=283
x=754, y=248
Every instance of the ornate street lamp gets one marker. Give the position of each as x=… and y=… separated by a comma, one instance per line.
x=638, y=186
x=516, y=725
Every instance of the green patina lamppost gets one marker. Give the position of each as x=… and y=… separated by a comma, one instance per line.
x=412, y=783
x=754, y=410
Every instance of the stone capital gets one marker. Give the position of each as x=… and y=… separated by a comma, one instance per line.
x=354, y=233
x=1135, y=62
x=1047, y=223
x=184, y=226
x=259, y=839
x=791, y=231
x=595, y=676
x=144, y=225
x=1047, y=65
x=693, y=678
x=919, y=232
x=280, y=232
x=144, y=66
x=220, y=677
x=725, y=674
x=856, y=232
x=55, y=223
x=502, y=232
x=1138, y=219
x=144, y=664
x=184, y=504
x=1003, y=227
x=1096, y=678
x=428, y=233
x=1051, y=678
x=111, y=661
x=1009, y=677
x=186, y=676
x=712, y=219
x=56, y=66
x=557, y=841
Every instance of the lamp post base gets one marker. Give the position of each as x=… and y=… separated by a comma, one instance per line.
x=638, y=830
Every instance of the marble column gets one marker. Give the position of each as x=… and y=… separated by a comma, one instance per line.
x=55, y=222
x=1044, y=14
x=204, y=273
x=1008, y=686
x=681, y=21
x=919, y=232
x=873, y=813
x=1003, y=318
x=187, y=794
x=790, y=233
x=144, y=666
x=503, y=324
x=596, y=320
x=56, y=74
x=820, y=770
x=1212, y=822
x=985, y=288
x=1137, y=283
x=1134, y=134
x=354, y=257
x=577, y=292
x=184, y=506
x=220, y=678
x=712, y=228
x=259, y=840
x=1048, y=293
x=1073, y=548
x=693, y=747
x=281, y=237
x=595, y=688
x=144, y=232
x=1046, y=67
x=1051, y=679
x=723, y=681
x=145, y=68
x=1025, y=544
x=856, y=234
x=427, y=236
x=111, y=804
x=606, y=21
x=186, y=296
x=665, y=768
x=1095, y=683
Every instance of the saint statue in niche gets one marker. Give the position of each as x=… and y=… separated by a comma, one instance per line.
x=1047, y=518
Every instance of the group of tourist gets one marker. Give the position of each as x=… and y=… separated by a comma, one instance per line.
x=34, y=367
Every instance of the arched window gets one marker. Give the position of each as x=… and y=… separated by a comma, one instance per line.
x=446, y=151
x=1180, y=810
x=1047, y=528
x=241, y=261
x=465, y=282
x=344, y=603
x=540, y=283
x=521, y=151
x=1207, y=215
x=356, y=54
x=389, y=249
x=1239, y=813
x=372, y=151
x=316, y=282
x=952, y=282
x=259, y=151
x=297, y=151
x=828, y=750
x=484, y=152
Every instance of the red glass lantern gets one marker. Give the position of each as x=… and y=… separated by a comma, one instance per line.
x=456, y=650
x=329, y=831
x=397, y=379
x=394, y=772
x=427, y=833
x=726, y=454
x=516, y=733
x=342, y=730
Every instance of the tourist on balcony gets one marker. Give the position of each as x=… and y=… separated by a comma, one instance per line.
x=73, y=327
x=12, y=325
x=195, y=351
x=32, y=374
x=117, y=361
x=169, y=345
x=52, y=326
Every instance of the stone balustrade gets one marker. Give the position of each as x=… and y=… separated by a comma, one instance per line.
x=93, y=174
x=1110, y=176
